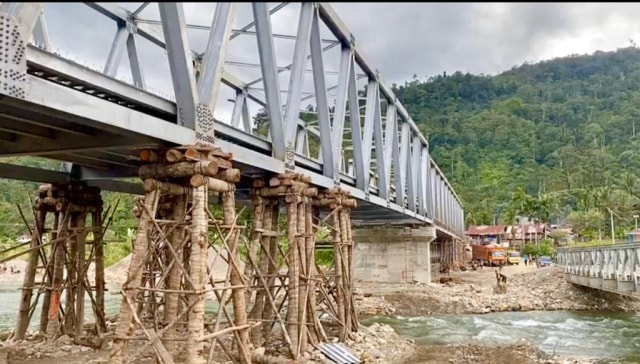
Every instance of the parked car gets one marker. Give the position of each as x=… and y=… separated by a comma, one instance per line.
x=543, y=261
x=513, y=257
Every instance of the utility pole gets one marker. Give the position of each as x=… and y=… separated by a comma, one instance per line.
x=613, y=231
x=636, y=218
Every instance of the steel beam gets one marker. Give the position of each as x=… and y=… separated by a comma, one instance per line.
x=102, y=114
x=296, y=81
x=180, y=62
x=115, y=53
x=209, y=82
x=361, y=174
x=271, y=84
x=322, y=101
x=42, y=60
x=339, y=113
x=134, y=62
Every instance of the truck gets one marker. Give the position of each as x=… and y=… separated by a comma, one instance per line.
x=491, y=255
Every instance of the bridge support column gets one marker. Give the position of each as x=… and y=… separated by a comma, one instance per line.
x=70, y=205
x=169, y=278
x=393, y=254
x=308, y=288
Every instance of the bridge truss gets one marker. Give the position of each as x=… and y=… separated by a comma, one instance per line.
x=614, y=268
x=353, y=133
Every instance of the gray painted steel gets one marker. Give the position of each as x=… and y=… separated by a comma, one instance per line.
x=65, y=111
x=614, y=268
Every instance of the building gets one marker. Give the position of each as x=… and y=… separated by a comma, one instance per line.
x=522, y=234
x=486, y=233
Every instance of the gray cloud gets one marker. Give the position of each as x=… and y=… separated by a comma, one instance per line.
x=400, y=39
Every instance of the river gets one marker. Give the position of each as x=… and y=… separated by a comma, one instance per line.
x=575, y=334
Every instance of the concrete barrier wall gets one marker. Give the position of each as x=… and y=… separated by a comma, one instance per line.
x=392, y=254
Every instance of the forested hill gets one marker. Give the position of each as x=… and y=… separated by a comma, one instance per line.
x=564, y=130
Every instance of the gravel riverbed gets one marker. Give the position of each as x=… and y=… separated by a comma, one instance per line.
x=472, y=292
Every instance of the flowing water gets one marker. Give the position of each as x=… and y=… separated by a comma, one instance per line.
x=10, y=301
x=575, y=334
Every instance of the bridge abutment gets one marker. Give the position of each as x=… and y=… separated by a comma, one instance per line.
x=393, y=254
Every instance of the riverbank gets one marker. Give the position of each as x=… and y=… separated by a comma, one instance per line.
x=472, y=292
x=529, y=288
x=375, y=344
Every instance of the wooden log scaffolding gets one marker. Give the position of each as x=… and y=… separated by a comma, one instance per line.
x=64, y=262
x=163, y=298
x=452, y=256
x=308, y=290
x=280, y=293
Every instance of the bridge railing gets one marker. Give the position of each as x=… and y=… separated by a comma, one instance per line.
x=359, y=133
x=613, y=268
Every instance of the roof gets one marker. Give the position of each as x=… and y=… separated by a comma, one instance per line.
x=486, y=230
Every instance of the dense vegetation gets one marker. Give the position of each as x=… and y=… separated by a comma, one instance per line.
x=554, y=140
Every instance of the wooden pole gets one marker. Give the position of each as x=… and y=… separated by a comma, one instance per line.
x=46, y=303
x=80, y=258
x=235, y=277
x=98, y=242
x=338, y=274
x=303, y=288
x=59, y=262
x=29, y=278
x=175, y=275
x=273, y=266
x=72, y=278
x=199, y=227
x=134, y=278
x=293, y=262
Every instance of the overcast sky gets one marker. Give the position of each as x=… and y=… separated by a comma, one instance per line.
x=400, y=39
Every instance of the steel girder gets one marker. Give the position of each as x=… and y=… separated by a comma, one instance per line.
x=367, y=141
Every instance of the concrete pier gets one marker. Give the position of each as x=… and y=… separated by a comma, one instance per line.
x=393, y=254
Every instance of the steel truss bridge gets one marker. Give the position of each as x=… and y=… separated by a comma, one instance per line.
x=360, y=137
x=614, y=268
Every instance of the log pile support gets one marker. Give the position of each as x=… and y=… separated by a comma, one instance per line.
x=337, y=298
x=168, y=278
x=70, y=206
x=283, y=264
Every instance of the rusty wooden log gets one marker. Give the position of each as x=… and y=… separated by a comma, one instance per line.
x=150, y=155
x=177, y=170
x=173, y=155
x=165, y=187
x=214, y=184
x=275, y=182
x=323, y=201
x=231, y=175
